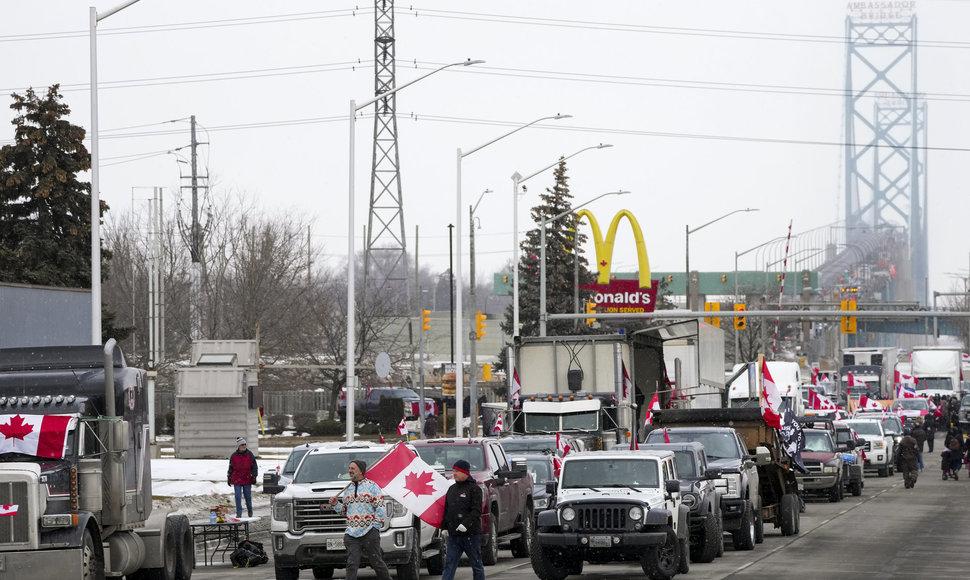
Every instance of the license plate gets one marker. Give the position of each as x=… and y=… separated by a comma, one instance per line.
x=600, y=541
x=335, y=544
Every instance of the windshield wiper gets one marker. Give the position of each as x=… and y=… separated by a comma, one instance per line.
x=587, y=487
x=622, y=485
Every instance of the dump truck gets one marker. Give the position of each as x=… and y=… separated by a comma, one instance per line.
x=75, y=470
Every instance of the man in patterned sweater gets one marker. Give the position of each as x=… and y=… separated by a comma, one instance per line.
x=364, y=503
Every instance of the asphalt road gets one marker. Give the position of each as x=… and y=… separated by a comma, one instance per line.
x=887, y=532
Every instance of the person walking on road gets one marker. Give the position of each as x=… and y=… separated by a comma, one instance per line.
x=363, y=502
x=953, y=451
x=920, y=435
x=463, y=520
x=430, y=426
x=242, y=476
x=907, y=460
x=929, y=423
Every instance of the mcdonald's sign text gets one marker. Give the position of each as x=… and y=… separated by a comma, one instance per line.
x=622, y=297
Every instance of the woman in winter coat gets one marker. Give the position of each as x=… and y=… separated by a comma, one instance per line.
x=242, y=476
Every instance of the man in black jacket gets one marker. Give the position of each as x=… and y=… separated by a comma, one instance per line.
x=463, y=520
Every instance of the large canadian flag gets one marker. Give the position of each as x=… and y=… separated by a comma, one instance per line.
x=562, y=444
x=819, y=402
x=516, y=389
x=867, y=403
x=9, y=510
x=854, y=382
x=37, y=435
x=627, y=383
x=408, y=479
x=770, y=399
x=653, y=406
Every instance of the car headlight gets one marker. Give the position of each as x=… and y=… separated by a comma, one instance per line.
x=690, y=500
x=394, y=508
x=636, y=513
x=830, y=469
x=541, y=503
x=281, y=510
x=568, y=514
x=879, y=444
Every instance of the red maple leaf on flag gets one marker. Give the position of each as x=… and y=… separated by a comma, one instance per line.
x=418, y=483
x=16, y=429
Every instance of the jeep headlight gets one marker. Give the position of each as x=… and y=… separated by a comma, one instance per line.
x=568, y=514
x=636, y=513
x=541, y=503
x=281, y=510
x=394, y=508
x=690, y=500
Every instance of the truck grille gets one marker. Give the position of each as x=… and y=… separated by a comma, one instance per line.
x=813, y=466
x=15, y=529
x=596, y=518
x=307, y=517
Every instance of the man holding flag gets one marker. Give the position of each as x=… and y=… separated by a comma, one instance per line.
x=363, y=502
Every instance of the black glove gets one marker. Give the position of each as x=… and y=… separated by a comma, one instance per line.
x=229, y=482
x=253, y=480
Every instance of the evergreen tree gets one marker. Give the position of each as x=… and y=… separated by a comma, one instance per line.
x=563, y=245
x=45, y=225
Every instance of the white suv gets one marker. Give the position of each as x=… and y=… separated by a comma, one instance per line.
x=308, y=533
x=879, y=445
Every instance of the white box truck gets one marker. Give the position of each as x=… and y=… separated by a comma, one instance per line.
x=938, y=368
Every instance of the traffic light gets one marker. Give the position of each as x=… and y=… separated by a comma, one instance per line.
x=479, y=324
x=848, y=322
x=740, y=322
x=590, y=309
x=723, y=278
x=505, y=279
x=425, y=320
x=713, y=307
x=486, y=372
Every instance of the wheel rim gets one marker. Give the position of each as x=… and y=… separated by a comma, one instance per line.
x=87, y=559
x=493, y=537
x=751, y=532
x=666, y=557
x=527, y=540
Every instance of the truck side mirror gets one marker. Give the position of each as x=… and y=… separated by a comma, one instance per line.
x=271, y=482
x=673, y=486
x=850, y=444
x=518, y=464
x=762, y=455
x=551, y=487
x=712, y=473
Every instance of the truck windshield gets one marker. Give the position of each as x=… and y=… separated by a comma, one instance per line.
x=584, y=421
x=293, y=461
x=866, y=427
x=331, y=466
x=942, y=383
x=716, y=445
x=610, y=473
x=818, y=441
x=913, y=404
x=536, y=423
x=444, y=456
x=540, y=445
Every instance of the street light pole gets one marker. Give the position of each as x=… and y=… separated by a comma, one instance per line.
x=459, y=375
x=472, y=335
x=518, y=180
x=351, y=259
x=542, y=255
x=93, y=19
x=737, y=338
x=687, y=248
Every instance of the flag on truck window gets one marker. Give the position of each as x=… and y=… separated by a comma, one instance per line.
x=819, y=402
x=515, y=389
x=407, y=478
x=854, y=382
x=627, y=383
x=37, y=435
x=653, y=406
x=770, y=399
x=562, y=444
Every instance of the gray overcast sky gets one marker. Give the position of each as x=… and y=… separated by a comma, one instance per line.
x=271, y=82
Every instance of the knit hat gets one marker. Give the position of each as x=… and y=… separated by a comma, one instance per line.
x=361, y=464
x=240, y=441
x=462, y=466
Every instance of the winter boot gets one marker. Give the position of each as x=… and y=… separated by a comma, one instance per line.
x=249, y=513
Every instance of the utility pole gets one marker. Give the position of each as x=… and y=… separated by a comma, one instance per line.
x=451, y=290
x=195, y=243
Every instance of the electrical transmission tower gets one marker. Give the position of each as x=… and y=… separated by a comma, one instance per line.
x=385, y=258
x=885, y=144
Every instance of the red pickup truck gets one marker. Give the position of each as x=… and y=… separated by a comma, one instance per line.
x=507, y=508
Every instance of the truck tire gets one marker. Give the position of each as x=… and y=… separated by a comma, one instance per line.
x=410, y=570
x=523, y=546
x=436, y=563
x=662, y=562
x=547, y=565
x=324, y=572
x=883, y=472
x=855, y=488
x=286, y=573
x=743, y=537
x=684, y=567
x=720, y=537
x=490, y=548
x=185, y=547
x=706, y=542
x=92, y=562
x=759, y=525
x=789, y=514
x=835, y=492
x=169, y=555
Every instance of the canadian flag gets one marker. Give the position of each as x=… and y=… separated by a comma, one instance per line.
x=627, y=383
x=653, y=406
x=402, y=429
x=815, y=372
x=634, y=444
x=819, y=402
x=407, y=478
x=906, y=391
x=770, y=399
x=515, y=390
x=562, y=444
x=556, y=466
x=36, y=435
x=854, y=382
x=498, y=428
x=9, y=510
x=867, y=403
x=429, y=407
x=382, y=441
x=666, y=436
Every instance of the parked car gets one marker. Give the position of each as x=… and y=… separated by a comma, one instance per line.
x=276, y=479
x=964, y=413
x=851, y=446
x=368, y=407
x=911, y=411
x=508, y=505
x=542, y=468
x=879, y=448
x=824, y=463
x=700, y=495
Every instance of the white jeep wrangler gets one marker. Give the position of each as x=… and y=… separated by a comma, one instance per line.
x=308, y=533
x=614, y=506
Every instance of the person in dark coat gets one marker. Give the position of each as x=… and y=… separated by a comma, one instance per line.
x=919, y=433
x=929, y=423
x=463, y=520
x=953, y=450
x=242, y=476
x=907, y=459
x=430, y=426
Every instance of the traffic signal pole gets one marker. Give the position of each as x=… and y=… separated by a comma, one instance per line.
x=472, y=335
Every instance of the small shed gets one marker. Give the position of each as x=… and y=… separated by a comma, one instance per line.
x=217, y=399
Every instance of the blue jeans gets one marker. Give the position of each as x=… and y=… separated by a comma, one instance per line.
x=470, y=545
x=246, y=490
